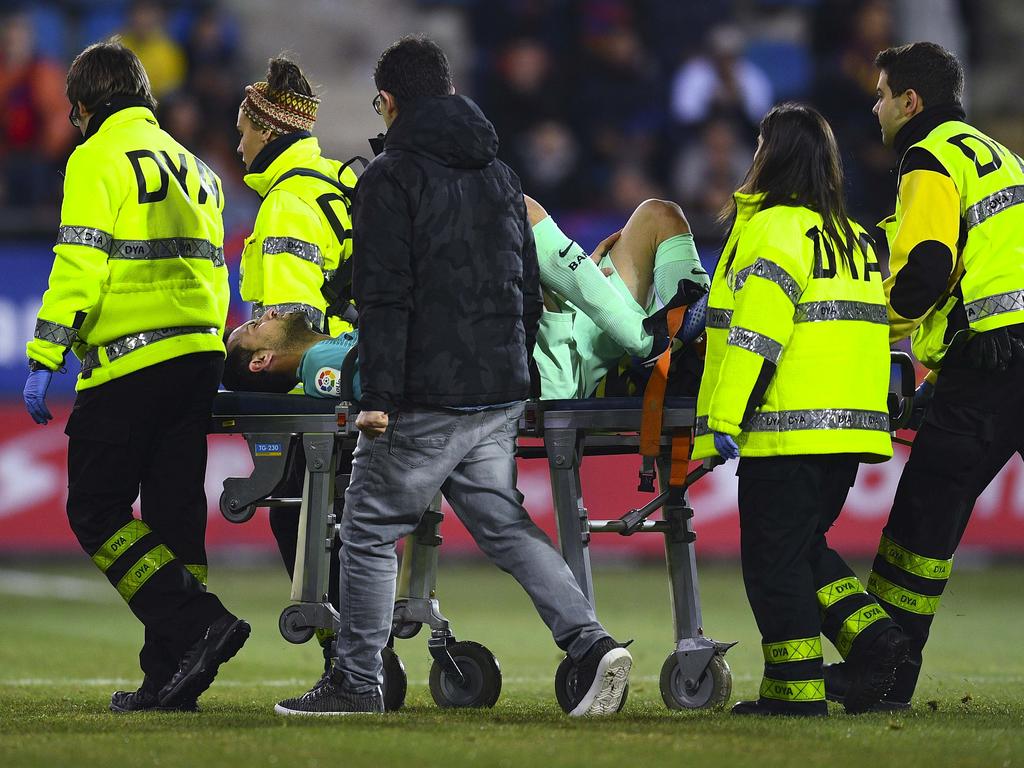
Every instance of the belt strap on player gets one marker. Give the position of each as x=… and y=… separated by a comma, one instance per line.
x=654, y=415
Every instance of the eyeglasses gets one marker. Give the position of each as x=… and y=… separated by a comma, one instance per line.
x=74, y=117
x=377, y=101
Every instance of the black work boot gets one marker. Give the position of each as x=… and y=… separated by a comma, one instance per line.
x=146, y=699
x=871, y=673
x=837, y=681
x=222, y=640
x=785, y=709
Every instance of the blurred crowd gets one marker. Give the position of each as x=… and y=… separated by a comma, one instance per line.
x=599, y=103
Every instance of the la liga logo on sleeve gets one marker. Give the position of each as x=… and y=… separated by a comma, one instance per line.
x=328, y=381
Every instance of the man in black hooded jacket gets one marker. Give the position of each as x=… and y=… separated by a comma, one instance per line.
x=448, y=290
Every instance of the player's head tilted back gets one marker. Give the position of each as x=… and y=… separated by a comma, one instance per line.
x=913, y=78
x=411, y=68
x=104, y=76
x=281, y=105
x=263, y=355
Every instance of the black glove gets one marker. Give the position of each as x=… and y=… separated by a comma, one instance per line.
x=922, y=399
x=992, y=350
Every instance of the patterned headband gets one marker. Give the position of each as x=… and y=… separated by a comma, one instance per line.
x=288, y=112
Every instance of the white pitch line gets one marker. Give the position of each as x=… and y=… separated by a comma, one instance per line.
x=29, y=584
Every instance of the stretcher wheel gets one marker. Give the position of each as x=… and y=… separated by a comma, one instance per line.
x=234, y=513
x=566, y=692
x=293, y=625
x=483, y=677
x=403, y=630
x=711, y=692
x=395, y=680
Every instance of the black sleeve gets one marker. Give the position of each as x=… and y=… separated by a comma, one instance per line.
x=533, y=299
x=382, y=285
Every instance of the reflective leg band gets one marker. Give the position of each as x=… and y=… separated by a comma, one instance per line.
x=904, y=599
x=916, y=565
x=143, y=571
x=792, y=650
x=118, y=543
x=793, y=690
x=832, y=593
x=856, y=623
x=201, y=572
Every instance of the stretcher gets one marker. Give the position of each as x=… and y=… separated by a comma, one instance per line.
x=283, y=429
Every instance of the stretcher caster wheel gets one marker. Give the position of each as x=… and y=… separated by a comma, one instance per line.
x=483, y=677
x=403, y=630
x=232, y=511
x=395, y=680
x=712, y=691
x=293, y=625
x=566, y=691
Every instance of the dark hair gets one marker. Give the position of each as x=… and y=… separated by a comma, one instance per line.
x=238, y=378
x=798, y=164
x=413, y=67
x=927, y=68
x=104, y=71
x=283, y=74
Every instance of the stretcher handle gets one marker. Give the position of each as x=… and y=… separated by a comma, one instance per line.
x=901, y=405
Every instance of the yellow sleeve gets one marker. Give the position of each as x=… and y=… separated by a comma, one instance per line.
x=923, y=251
x=292, y=245
x=92, y=197
x=768, y=278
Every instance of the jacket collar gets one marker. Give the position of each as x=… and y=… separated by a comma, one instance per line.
x=923, y=123
x=300, y=151
x=747, y=204
x=116, y=111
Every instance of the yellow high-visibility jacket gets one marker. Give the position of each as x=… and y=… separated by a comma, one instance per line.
x=138, y=275
x=797, y=344
x=956, y=249
x=301, y=235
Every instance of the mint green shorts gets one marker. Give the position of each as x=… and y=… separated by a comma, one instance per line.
x=572, y=353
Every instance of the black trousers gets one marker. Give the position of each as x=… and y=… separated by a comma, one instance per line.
x=798, y=586
x=144, y=436
x=973, y=427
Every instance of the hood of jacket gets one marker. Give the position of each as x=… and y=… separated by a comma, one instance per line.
x=448, y=129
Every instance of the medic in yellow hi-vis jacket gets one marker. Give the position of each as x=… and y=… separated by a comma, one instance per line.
x=957, y=287
x=139, y=291
x=301, y=238
x=795, y=382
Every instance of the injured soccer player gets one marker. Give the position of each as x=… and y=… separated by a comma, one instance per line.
x=598, y=308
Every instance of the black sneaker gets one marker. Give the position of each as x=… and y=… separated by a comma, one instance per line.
x=765, y=707
x=872, y=673
x=602, y=675
x=837, y=681
x=146, y=699
x=328, y=698
x=688, y=294
x=222, y=640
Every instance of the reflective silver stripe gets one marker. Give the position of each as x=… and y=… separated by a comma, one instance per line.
x=995, y=305
x=121, y=347
x=719, y=318
x=94, y=238
x=757, y=343
x=300, y=248
x=816, y=311
x=56, y=333
x=168, y=248
x=769, y=270
x=823, y=418
x=314, y=315
x=700, y=427
x=995, y=203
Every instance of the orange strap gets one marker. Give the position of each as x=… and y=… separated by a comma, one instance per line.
x=681, y=445
x=654, y=393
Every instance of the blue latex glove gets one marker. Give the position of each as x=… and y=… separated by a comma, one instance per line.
x=922, y=399
x=35, y=395
x=726, y=446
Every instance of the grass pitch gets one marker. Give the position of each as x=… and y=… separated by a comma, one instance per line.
x=66, y=642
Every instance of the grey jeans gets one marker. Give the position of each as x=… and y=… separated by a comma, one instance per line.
x=470, y=457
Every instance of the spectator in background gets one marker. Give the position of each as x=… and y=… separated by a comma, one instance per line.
x=35, y=134
x=721, y=83
x=849, y=34
x=212, y=54
x=147, y=37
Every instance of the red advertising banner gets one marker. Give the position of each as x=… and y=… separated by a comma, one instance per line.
x=33, y=488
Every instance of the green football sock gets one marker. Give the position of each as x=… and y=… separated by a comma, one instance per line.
x=675, y=259
x=568, y=270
